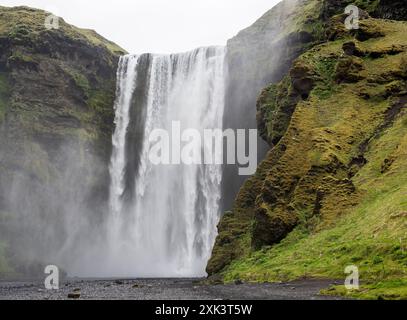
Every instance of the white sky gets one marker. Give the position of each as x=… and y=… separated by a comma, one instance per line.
x=157, y=26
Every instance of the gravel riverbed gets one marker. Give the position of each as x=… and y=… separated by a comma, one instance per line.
x=162, y=289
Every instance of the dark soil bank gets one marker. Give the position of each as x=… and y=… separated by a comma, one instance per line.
x=166, y=289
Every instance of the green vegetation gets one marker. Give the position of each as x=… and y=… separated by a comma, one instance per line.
x=98, y=40
x=21, y=58
x=371, y=236
x=24, y=25
x=383, y=290
x=63, y=85
x=81, y=81
x=275, y=105
x=307, y=18
x=332, y=191
x=326, y=69
x=368, y=5
x=4, y=95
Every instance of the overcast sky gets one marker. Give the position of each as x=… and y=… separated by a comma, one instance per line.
x=158, y=26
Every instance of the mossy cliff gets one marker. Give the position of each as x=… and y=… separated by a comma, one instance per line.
x=263, y=54
x=331, y=191
x=258, y=55
x=56, y=95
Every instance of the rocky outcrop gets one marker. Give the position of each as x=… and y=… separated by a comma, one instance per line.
x=383, y=9
x=319, y=120
x=57, y=89
x=256, y=56
x=263, y=53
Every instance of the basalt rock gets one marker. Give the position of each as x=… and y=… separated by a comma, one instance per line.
x=348, y=69
x=352, y=49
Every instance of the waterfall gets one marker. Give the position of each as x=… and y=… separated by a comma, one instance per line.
x=163, y=218
x=126, y=75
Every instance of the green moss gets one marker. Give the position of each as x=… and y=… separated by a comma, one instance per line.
x=21, y=34
x=325, y=69
x=339, y=169
x=81, y=82
x=372, y=235
x=101, y=100
x=275, y=107
x=307, y=18
x=98, y=40
x=403, y=66
x=4, y=95
x=368, y=5
x=24, y=25
x=383, y=290
x=22, y=58
x=317, y=29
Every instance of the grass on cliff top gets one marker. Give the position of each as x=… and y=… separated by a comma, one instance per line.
x=13, y=20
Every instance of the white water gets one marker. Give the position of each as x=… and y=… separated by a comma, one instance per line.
x=126, y=75
x=167, y=227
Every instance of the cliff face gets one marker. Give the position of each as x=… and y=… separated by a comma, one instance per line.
x=383, y=9
x=256, y=56
x=330, y=191
x=57, y=90
x=263, y=53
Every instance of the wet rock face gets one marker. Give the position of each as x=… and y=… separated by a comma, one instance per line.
x=319, y=120
x=348, y=70
x=264, y=222
x=256, y=56
x=61, y=89
x=57, y=89
x=302, y=79
x=263, y=53
x=383, y=9
x=56, y=77
x=352, y=49
x=391, y=9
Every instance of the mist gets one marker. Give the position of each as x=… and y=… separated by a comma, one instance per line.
x=116, y=215
x=53, y=218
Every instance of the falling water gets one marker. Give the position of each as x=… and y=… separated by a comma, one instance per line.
x=126, y=75
x=163, y=217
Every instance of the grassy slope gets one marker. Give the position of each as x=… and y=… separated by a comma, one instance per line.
x=13, y=17
x=368, y=228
